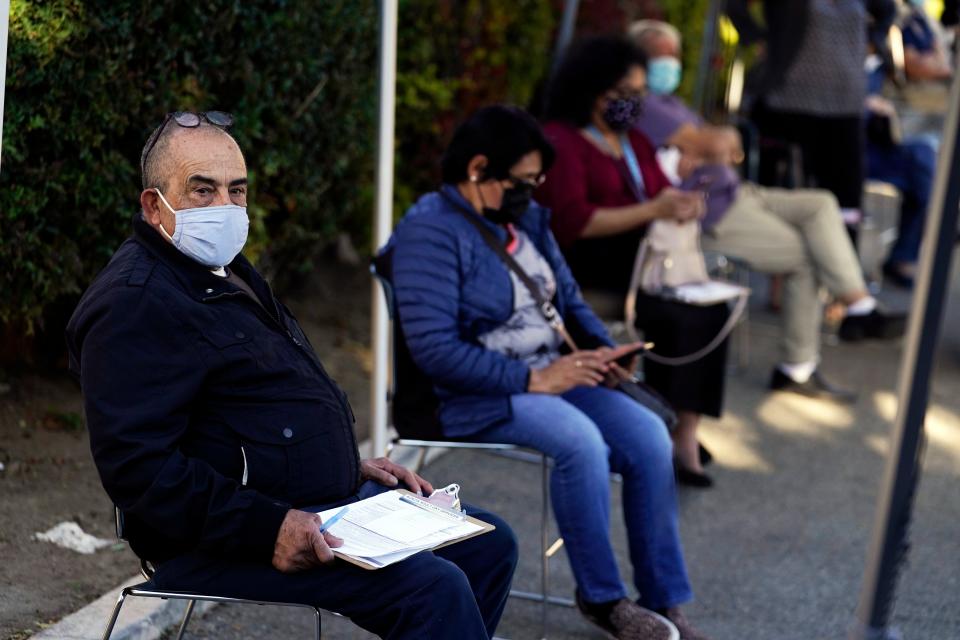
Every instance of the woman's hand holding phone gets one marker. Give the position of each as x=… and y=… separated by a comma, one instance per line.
x=623, y=360
x=588, y=369
x=578, y=369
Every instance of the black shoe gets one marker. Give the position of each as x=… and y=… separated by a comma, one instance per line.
x=876, y=324
x=815, y=387
x=896, y=277
x=705, y=456
x=690, y=478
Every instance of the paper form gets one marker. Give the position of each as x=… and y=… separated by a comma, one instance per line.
x=405, y=526
x=383, y=530
x=706, y=293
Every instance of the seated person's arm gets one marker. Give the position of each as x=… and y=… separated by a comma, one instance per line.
x=428, y=296
x=565, y=190
x=611, y=221
x=931, y=65
x=139, y=385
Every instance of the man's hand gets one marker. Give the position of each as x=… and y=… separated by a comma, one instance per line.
x=300, y=545
x=391, y=474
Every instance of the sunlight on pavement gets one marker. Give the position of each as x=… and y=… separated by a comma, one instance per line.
x=942, y=425
x=797, y=415
x=731, y=442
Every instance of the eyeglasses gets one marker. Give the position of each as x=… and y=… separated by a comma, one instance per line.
x=187, y=120
x=533, y=183
x=626, y=94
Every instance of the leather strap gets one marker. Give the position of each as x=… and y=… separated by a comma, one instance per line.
x=549, y=312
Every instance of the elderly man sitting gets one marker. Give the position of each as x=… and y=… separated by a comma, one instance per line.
x=798, y=233
x=218, y=433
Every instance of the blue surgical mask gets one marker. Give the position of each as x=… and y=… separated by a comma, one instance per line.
x=663, y=75
x=213, y=236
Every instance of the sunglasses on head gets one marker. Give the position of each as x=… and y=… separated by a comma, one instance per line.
x=187, y=120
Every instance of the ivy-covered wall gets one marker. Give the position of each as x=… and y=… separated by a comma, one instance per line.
x=88, y=80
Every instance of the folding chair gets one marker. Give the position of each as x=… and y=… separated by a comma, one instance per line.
x=147, y=590
x=411, y=398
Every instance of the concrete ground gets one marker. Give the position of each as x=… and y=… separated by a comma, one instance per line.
x=777, y=549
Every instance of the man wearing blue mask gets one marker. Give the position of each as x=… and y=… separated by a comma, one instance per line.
x=797, y=233
x=216, y=430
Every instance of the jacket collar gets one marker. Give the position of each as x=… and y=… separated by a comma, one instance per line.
x=531, y=221
x=197, y=278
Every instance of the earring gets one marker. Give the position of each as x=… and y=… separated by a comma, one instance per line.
x=473, y=178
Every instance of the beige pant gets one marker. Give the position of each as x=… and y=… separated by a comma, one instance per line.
x=800, y=234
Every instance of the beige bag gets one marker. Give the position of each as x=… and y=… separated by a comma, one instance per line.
x=670, y=256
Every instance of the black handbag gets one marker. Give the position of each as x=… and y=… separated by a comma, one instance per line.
x=640, y=391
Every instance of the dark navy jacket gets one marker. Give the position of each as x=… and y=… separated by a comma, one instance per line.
x=209, y=414
x=451, y=288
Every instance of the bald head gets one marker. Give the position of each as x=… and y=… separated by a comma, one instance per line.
x=656, y=38
x=155, y=160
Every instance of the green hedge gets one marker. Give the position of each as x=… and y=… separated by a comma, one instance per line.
x=454, y=57
x=87, y=81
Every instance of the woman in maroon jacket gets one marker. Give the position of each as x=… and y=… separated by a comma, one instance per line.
x=604, y=188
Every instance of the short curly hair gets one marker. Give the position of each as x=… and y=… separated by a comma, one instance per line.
x=502, y=133
x=589, y=69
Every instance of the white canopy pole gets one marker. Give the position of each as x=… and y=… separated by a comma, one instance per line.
x=4, y=27
x=383, y=222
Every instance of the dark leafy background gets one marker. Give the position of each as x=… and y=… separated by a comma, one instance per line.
x=87, y=82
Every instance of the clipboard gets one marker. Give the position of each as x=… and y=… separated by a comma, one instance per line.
x=485, y=527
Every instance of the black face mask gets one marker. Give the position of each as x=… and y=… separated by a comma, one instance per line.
x=621, y=114
x=515, y=202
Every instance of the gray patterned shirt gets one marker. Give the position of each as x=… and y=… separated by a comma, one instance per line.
x=827, y=76
x=526, y=335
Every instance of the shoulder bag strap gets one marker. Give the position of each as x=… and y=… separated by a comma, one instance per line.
x=549, y=312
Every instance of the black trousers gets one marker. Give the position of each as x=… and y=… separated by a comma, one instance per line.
x=457, y=592
x=834, y=148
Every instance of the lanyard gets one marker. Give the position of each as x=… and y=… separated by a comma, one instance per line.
x=629, y=157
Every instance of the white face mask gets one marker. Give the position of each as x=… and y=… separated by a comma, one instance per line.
x=213, y=236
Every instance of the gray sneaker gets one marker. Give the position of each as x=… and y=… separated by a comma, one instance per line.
x=687, y=630
x=629, y=621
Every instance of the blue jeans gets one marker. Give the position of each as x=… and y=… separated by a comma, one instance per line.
x=589, y=432
x=910, y=167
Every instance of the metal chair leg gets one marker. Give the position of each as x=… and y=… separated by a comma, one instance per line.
x=115, y=615
x=544, y=544
x=316, y=613
x=743, y=330
x=421, y=459
x=186, y=619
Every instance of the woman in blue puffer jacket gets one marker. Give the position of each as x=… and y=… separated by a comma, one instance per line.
x=499, y=369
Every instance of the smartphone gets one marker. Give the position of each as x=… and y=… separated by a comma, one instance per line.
x=624, y=360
